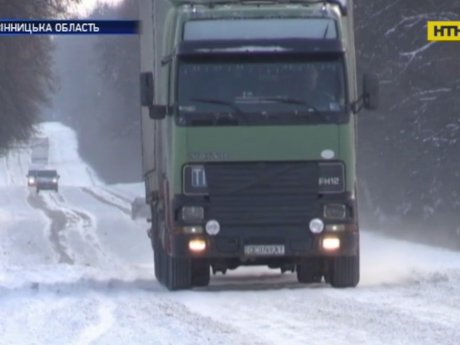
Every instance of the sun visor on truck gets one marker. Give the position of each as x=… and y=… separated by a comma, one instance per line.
x=223, y=29
x=260, y=35
x=343, y=4
x=265, y=46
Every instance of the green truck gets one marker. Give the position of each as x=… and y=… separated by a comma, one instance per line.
x=248, y=137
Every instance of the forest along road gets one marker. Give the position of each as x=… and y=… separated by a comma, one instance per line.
x=76, y=269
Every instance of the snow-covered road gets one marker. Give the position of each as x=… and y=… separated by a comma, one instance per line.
x=76, y=269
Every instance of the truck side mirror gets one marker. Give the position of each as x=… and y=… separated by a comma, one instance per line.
x=146, y=79
x=156, y=112
x=370, y=91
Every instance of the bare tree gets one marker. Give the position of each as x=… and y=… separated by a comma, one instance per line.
x=26, y=77
x=119, y=69
x=408, y=149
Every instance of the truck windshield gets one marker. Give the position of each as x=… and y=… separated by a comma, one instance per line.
x=262, y=91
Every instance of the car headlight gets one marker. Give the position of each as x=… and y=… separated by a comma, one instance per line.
x=194, y=180
x=331, y=177
x=192, y=213
x=55, y=180
x=335, y=211
x=31, y=180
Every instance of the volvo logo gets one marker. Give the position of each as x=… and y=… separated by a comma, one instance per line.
x=208, y=156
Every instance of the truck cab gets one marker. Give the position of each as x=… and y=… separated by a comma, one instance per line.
x=248, y=136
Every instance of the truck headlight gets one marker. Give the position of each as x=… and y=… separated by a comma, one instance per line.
x=194, y=180
x=212, y=227
x=192, y=213
x=31, y=180
x=192, y=230
x=331, y=243
x=316, y=226
x=335, y=227
x=335, y=211
x=197, y=245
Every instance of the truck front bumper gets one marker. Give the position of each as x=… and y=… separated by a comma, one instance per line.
x=287, y=243
x=272, y=226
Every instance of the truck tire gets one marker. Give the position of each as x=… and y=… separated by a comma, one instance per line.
x=155, y=242
x=156, y=255
x=309, y=271
x=163, y=264
x=200, y=273
x=344, y=271
x=178, y=274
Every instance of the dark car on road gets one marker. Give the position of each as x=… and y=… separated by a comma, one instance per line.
x=43, y=179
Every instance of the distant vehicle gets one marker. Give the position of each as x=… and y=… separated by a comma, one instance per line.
x=31, y=180
x=43, y=179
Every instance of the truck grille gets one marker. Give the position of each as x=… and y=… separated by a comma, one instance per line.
x=270, y=210
x=262, y=193
x=262, y=178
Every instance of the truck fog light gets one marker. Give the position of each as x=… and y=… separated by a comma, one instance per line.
x=335, y=227
x=331, y=243
x=316, y=226
x=212, y=227
x=192, y=213
x=335, y=211
x=192, y=229
x=197, y=245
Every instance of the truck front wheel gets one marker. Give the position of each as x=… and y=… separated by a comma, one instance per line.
x=200, y=272
x=156, y=246
x=344, y=271
x=156, y=255
x=178, y=275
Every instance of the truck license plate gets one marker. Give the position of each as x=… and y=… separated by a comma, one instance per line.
x=264, y=250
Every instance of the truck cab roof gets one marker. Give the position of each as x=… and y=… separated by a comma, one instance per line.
x=343, y=4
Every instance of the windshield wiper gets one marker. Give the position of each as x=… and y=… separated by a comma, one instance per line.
x=237, y=111
x=311, y=110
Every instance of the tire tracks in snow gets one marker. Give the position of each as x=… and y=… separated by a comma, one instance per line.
x=58, y=224
x=71, y=231
x=105, y=320
x=164, y=321
x=99, y=197
x=419, y=313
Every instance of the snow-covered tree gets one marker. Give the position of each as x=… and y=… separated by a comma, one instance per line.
x=26, y=77
x=408, y=149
